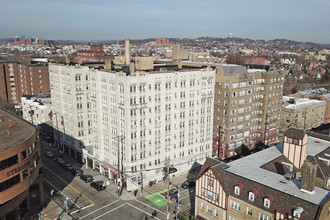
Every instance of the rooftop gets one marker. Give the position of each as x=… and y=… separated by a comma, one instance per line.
x=312, y=92
x=20, y=130
x=250, y=167
x=299, y=103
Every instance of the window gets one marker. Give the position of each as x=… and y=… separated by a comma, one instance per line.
x=216, y=213
x=266, y=202
x=251, y=196
x=202, y=206
x=209, y=194
x=217, y=197
x=263, y=217
x=209, y=209
x=203, y=192
x=237, y=189
x=210, y=182
x=232, y=218
x=297, y=212
x=23, y=155
x=235, y=205
x=249, y=211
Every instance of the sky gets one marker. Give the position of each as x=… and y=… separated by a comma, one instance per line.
x=299, y=20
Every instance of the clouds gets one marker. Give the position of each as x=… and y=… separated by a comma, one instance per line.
x=303, y=20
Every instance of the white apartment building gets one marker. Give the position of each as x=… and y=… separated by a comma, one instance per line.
x=36, y=109
x=157, y=116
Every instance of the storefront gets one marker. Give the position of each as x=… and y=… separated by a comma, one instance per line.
x=90, y=162
x=96, y=166
x=105, y=171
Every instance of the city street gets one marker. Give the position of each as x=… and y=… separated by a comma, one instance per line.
x=63, y=192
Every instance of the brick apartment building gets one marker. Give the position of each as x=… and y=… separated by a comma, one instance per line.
x=302, y=113
x=162, y=41
x=246, y=108
x=23, y=77
x=94, y=55
x=247, y=105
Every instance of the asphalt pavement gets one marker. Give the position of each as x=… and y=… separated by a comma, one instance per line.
x=63, y=192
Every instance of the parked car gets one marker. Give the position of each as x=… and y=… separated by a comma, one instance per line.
x=98, y=185
x=49, y=154
x=171, y=170
x=77, y=172
x=59, y=160
x=87, y=178
x=173, y=194
x=188, y=184
x=68, y=166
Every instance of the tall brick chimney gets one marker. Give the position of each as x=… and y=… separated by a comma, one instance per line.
x=127, y=52
x=308, y=176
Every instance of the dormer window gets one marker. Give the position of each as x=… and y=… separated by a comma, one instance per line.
x=252, y=194
x=237, y=189
x=297, y=212
x=267, y=201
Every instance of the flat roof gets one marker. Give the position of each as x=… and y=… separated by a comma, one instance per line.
x=250, y=168
x=19, y=132
x=302, y=102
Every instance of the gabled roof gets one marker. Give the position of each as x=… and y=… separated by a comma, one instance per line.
x=207, y=164
x=255, y=173
x=295, y=133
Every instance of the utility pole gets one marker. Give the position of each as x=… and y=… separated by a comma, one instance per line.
x=141, y=183
x=266, y=124
x=168, y=189
x=120, y=171
x=177, y=205
x=64, y=134
x=57, y=131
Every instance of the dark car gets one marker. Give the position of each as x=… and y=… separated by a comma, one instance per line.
x=171, y=170
x=98, y=185
x=173, y=194
x=87, y=178
x=188, y=184
x=49, y=154
x=77, y=172
x=59, y=161
x=68, y=166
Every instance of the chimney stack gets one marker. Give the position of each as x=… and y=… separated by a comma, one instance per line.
x=67, y=59
x=308, y=176
x=180, y=64
x=108, y=65
x=127, y=52
x=132, y=67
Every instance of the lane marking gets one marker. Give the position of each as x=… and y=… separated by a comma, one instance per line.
x=85, y=207
x=99, y=209
x=69, y=185
x=110, y=211
x=150, y=206
x=61, y=192
x=143, y=211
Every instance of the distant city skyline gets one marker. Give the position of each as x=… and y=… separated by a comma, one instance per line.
x=304, y=20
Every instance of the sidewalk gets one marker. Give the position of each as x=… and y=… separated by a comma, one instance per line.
x=53, y=211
